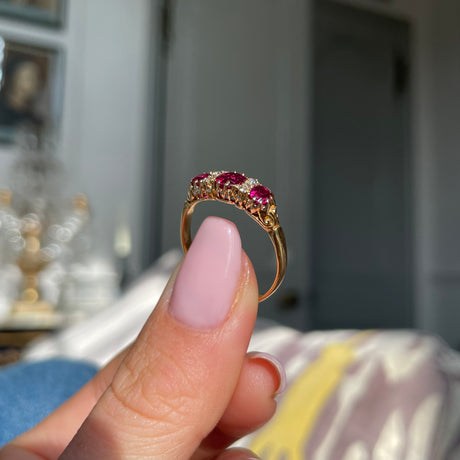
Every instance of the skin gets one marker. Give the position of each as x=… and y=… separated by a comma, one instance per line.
x=175, y=393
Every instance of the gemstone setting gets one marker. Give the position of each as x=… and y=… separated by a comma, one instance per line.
x=261, y=194
x=230, y=178
x=197, y=179
x=244, y=192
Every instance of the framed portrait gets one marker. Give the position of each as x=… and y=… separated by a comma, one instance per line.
x=31, y=83
x=45, y=12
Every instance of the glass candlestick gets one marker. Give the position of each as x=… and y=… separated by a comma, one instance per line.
x=36, y=223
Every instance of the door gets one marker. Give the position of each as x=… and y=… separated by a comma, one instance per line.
x=362, y=243
x=236, y=100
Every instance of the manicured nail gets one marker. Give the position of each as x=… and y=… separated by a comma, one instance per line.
x=274, y=364
x=208, y=278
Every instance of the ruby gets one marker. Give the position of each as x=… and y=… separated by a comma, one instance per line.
x=261, y=194
x=197, y=179
x=232, y=178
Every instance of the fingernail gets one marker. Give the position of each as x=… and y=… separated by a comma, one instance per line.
x=276, y=366
x=208, y=278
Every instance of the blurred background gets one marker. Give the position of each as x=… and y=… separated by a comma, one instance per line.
x=348, y=110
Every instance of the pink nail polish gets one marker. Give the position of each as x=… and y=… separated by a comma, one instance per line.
x=208, y=278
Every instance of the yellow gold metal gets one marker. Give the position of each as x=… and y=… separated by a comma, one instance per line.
x=265, y=214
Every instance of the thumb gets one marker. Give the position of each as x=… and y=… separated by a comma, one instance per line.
x=178, y=378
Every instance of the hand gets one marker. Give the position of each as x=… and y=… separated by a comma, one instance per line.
x=185, y=388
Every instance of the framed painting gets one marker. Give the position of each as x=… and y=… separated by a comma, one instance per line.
x=45, y=12
x=31, y=84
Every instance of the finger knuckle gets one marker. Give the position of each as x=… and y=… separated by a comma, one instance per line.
x=157, y=389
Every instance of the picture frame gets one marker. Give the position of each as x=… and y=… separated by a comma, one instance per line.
x=31, y=87
x=50, y=13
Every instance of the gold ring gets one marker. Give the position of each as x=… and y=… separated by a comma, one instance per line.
x=246, y=194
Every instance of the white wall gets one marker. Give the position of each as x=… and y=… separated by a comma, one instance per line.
x=104, y=128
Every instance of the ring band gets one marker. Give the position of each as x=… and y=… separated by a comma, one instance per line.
x=246, y=194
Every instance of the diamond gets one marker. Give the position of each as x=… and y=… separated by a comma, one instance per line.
x=231, y=178
x=247, y=186
x=261, y=194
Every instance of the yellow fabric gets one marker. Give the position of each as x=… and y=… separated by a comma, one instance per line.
x=288, y=433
